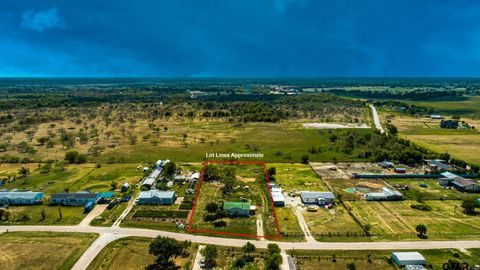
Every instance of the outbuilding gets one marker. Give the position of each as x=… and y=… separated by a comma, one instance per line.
x=408, y=258
x=125, y=187
x=278, y=199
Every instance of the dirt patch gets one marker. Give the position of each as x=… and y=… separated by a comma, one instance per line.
x=245, y=179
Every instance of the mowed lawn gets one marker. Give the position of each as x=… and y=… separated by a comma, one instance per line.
x=289, y=227
x=397, y=220
x=376, y=259
x=297, y=177
x=332, y=224
x=42, y=250
x=31, y=215
x=132, y=253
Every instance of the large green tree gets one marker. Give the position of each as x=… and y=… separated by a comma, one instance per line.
x=165, y=250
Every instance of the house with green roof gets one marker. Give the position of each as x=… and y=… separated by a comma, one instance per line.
x=238, y=209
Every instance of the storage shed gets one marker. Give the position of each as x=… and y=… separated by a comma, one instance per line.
x=408, y=258
x=278, y=199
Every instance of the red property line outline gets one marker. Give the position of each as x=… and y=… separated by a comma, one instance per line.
x=197, y=193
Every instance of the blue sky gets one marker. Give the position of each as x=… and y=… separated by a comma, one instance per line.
x=247, y=38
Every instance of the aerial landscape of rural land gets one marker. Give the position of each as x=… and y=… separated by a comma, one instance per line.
x=268, y=134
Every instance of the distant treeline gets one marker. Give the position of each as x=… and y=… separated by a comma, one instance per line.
x=410, y=95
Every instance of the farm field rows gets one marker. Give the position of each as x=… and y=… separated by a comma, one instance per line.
x=397, y=220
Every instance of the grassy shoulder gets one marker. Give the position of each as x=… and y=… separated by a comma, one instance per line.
x=376, y=259
x=23, y=250
x=397, y=220
x=32, y=215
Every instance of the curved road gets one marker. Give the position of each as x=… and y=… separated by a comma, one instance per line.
x=376, y=119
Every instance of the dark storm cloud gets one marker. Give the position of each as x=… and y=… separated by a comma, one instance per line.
x=239, y=38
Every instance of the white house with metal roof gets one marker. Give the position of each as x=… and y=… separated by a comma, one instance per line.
x=21, y=198
x=156, y=197
x=314, y=197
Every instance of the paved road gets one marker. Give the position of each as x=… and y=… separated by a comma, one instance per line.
x=376, y=119
x=125, y=232
x=96, y=211
x=92, y=252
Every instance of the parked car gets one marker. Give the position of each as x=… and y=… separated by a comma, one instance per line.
x=202, y=264
x=88, y=207
x=127, y=198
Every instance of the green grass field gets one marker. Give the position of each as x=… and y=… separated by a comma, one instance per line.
x=465, y=106
x=397, y=220
x=132, y=253
x=297, y=177
x=333, y=225
x=289, y=227
x=42, y=250
x=376, y=259
x=31, y=215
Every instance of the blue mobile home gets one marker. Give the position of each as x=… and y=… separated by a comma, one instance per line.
x=156, y=197
x=74, y=199
x=21, y=198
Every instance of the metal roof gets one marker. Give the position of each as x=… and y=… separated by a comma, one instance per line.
x=232, y=205
x=21, y=195
x=278, y=197
x=408, y=256
x=78, y=195
x=156, y=193
x=317, y=194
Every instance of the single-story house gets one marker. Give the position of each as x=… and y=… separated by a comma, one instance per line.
x=278, y=199
x=458, y=182
x=21, y=198
x=79, y=198
x=385, y=195
x=449, y=124
x=400, y=170
x=157, y=197
x=320, y=198
x=437, y=165
x=237, y=209
x=408, y=258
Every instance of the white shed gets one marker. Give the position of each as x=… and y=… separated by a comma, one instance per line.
x=408, y=258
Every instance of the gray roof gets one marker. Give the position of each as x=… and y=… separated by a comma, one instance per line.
x=156, y=193
x=78, y=195
x=278, y=197
x=20, y=195
x=408, y=256
x=317, y=194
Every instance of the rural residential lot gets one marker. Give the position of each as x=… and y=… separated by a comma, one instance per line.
x=114, y=184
